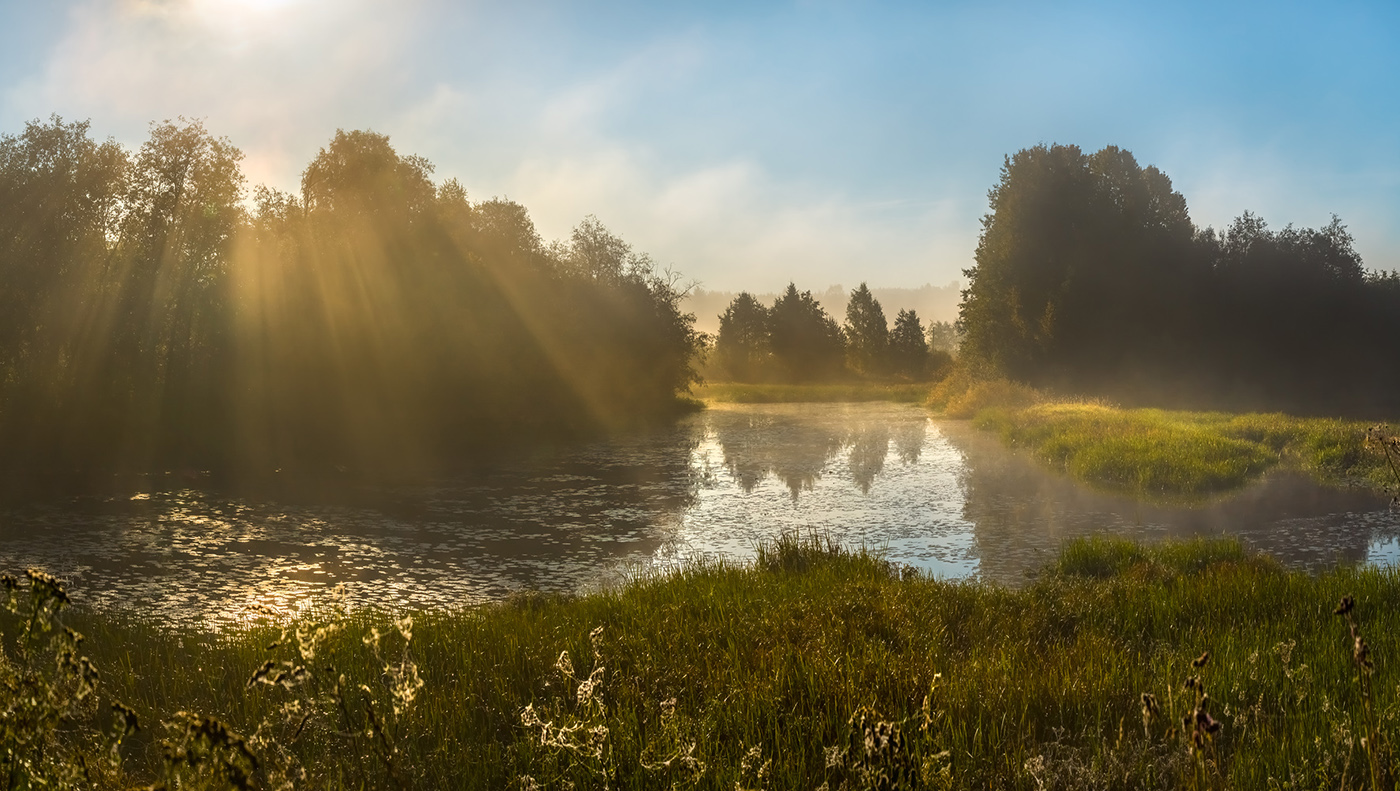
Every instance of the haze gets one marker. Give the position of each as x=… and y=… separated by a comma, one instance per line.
x=747, y=145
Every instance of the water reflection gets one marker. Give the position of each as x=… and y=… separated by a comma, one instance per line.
x=1022, y=514
x=757, y=444
x=940, y=496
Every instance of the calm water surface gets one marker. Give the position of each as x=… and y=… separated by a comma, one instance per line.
x=937, y=495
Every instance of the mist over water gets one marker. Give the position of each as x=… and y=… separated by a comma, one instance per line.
x=936, y=495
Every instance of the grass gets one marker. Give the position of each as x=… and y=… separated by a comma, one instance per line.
x=815, y=664
x=1161, y=454
x=1166, y=454
x=746, y=393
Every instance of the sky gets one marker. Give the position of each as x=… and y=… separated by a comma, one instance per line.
x=748, y=144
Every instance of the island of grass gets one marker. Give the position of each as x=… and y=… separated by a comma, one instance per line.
x=1120, y=666
x=1169, y=455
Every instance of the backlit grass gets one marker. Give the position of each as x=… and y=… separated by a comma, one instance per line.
x=1168, y=454
x=1162, y=454
x=813, y=665
x=747, y=393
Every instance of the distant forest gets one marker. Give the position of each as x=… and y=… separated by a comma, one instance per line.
x=157, y=315
x=1090, y=277
x=797, y=340
x=933, y=303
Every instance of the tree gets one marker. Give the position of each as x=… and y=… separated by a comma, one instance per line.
x=867, y=333
x=909, y=353
x=1085, y=263
x=60, y=202
x=942, y=337
x=742, y=346
x=361, y=178
x=805, y=341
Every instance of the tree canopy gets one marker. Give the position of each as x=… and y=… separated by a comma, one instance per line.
x=1091, y=276
x=154, y=314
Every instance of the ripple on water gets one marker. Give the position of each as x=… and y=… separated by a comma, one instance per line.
x=938, y=496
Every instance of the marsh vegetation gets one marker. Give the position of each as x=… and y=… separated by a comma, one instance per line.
x=1121, y=666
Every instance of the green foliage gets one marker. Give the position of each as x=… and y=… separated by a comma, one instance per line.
x=815, y=664
x=943, y=337
x=50, y=735
x=867, y=333
x=376, y=322
x=1101, y=557
x=909, y=352
x=964, y=394
x=741, y=348
x=1073, y=263
x=1091, y=277
x=806, y=343
x=1161, y=454
x=741, y=393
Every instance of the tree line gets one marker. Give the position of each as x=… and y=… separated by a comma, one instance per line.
x=1091, y=277
x=155, y=313
x=796, y=340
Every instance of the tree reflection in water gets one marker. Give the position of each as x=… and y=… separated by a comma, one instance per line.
x=794, y=449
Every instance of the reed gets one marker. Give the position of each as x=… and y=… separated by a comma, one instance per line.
x=814, y=665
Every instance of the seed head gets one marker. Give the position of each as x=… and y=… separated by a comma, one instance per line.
x=1149, y=705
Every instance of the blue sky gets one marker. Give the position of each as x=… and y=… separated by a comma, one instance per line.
x=748, y=144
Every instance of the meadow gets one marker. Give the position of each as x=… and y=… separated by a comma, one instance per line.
x=1121, y=666
x=1170, y=455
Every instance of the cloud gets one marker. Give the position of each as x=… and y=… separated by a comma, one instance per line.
x=732, y=226
x=265, y=73
x=566, y=135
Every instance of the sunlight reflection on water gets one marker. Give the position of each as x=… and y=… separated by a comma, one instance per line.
x=939, y=496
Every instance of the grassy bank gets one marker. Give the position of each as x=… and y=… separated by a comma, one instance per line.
x=1162, y=454
x=815, y=665
x=746, y=393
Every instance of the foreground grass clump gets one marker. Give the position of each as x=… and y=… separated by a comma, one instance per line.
x=747, y=393
x=814, y=665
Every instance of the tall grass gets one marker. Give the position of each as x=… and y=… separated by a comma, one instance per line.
x=1165, y=454
x=814, y=665
x=1162, y=454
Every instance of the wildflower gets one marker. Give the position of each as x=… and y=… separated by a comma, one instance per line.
x=589, y=685
x=128, y=718
x=1150, y=708
x=1360, y=653
x=1206, y=722
x=261, y=672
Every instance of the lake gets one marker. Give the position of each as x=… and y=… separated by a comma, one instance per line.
x=934, y=494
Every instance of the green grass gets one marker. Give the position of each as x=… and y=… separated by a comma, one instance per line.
x=773, y=675
x=1165, y=454
x=744, y=393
